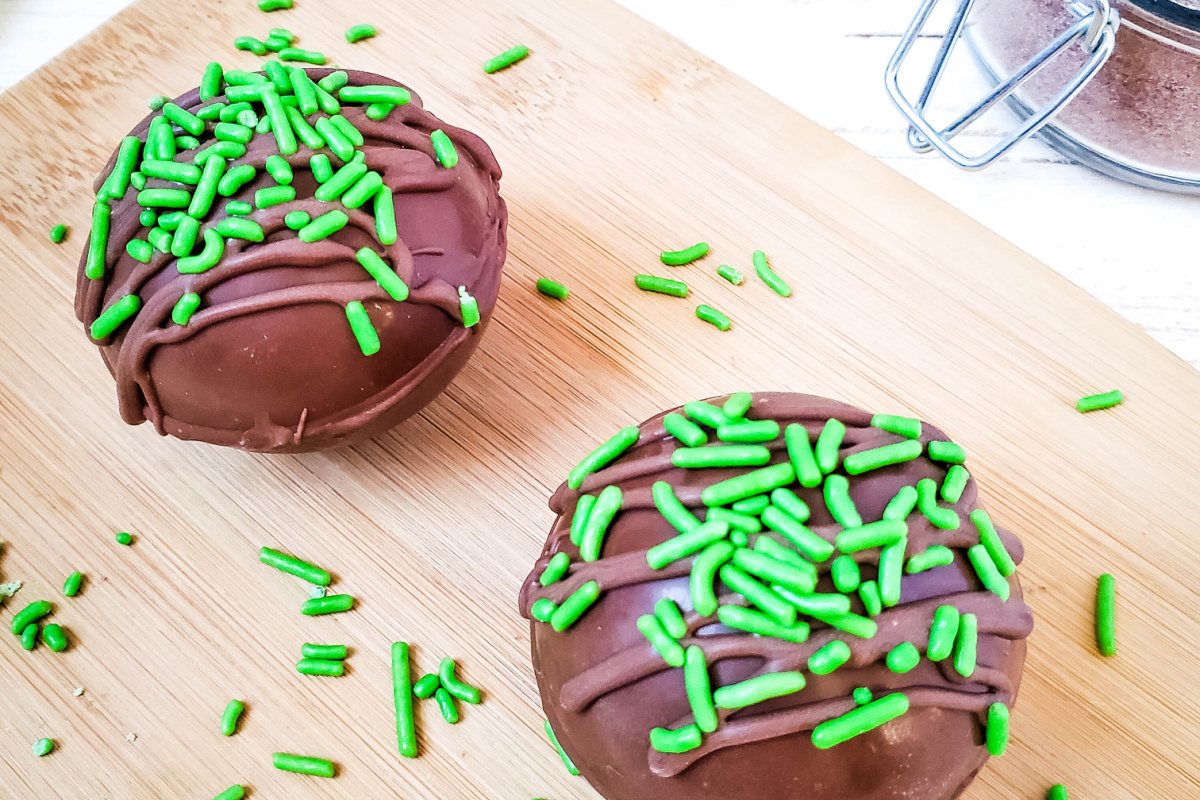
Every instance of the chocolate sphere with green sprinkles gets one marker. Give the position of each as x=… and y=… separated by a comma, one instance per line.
x=290, y=260
x=776, y=596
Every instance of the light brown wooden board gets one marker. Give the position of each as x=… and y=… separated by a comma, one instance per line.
x=617, y=142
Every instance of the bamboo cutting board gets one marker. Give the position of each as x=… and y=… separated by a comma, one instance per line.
x=617, y=142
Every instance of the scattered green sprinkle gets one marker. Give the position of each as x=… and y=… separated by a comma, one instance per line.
x=612, y=449
x=800, y=451
x=29, y=636
x=873, y=534
x=1057, y=792
x=768, y=599
x=274, y=5
x=987, y=572
x=840, y=504
x=251, y=45
x=745, y=523
x=829, y=444
x=829, y=658
x=699, y=689
x=287, y=762
x=776, y=572
x=230, y=717
x=58, y=233
x=965, y=645
x=334, y=81
x=574, y=606
x=669, y=649
x=751, y=455
x=360, y=325
x=55, y=637
x=948, y=452
x=443, y=148
x=687, y=432
x=157, y=102
x=297, y=219
x=237, y=228
x=542, y=610
x=1098, y=402
x=43, y=747
x=730, y=274
x=114, y=316
x=235, y=792
x=1106, y=615
x=558, y=749
x=327, y=652
x=845, y=574
x=72, y=584
x=650, y=283
x=383, y=274
x=748, y=484
x=427, y=686
x=934, y=556
x=943, y=633
x=859, y=721
x=555, y=569
x=395, y=95
x=469, y=307
x=801, y=537
x=323, y=226
x=744, y=430
x=601, y=516
x=677, y=258
x=238, y=208
x=446, y=705
x=862, y=695
x=385, y=216
x=751, y=621
x=505, y=59
x=214, y=246
x=758, y=689
x=705, y=414
x=713, y=317
x=139, y=250
x=901, y=426
x=671, y=617
x=363, y=190
x=903, y=658
x=671, y=508
x=954, y=483
x=330, y=604
x=997, y=729
x=406, y=728
x=551, y=288
x=583, y=510
x=322, y=667
x=868, y=592
x=677, y=741
x=769, y=276
x=30, y=615
x=944, y=518
x=990, y=539
x=704, y=571
x=879, y=457
x=294, y=566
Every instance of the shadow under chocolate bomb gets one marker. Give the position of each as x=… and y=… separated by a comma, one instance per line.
x=777, y=596
x=290, y=260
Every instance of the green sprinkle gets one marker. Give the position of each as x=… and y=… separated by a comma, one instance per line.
x=947, y=452
x=157, y=102
x=505, y=59
x=29, y=615
x=886, y=456
x=186, y=142
x=443, y=148
x=456, y=688
x=1057, y=792
x=385, y=216
x=235, y=228
x=845, y=573
x=804, y=540
x=671, y=617
x=306, y=133
x=551, y=288
x=737, y=405
x=235, y=792
x=687, y=432
x=751, y=621
x=1098, y=402
x=327, y=652
x=238, y=208
x=160, y=139
x=730, y=274
x=829, y=443
x=72, y=584
x=901, y=426
x=184, y=119
x=275, y=195
x=667, y=648
x=288, y=762
x=427, y=686
x=747, y=484
x=294, y=566
x=944, y=518
x=232, y=132
x=148, y=218
x=139, y=250
x=543, y=609
x=58, y=233
x=115, y=316
x=214, y=111
x=214, y=247
x=379, y=110
x=859, y=721
x=334, y=81
x=903, y=658
x=671, y=508
x=681, y=546
x=406, y=728
x=900, y=506
x=862, y=695
x=305, y=91
x=789, y=575
x=749, y=431
x=705, y=414
x=721, y=456
x=447, y=705
x=54, y=637
x=943, y=633
x=98, y=243
x=380, y=271
x=206, y=190
x=1106, y=615
x=752, y=505
x=583, y=510
x=230, y=717
x=650, y=283
x=250, y=45
x=340, y=182
x=868, y=592
x=360, y=322
x=43, y=747
x=678, y=741
x=699, y=690
x=839, y=502
x=124, y=539
x=117, y=182
x=704, y=572
x=325, y=225
x=739, y=538
x=816, y=605
x=285, y=137
x=330, y=604
x=160, y=240
x=997, y=729
x=801, y=454
x=29, y=636
x=164, y=198
x=765, y=598
x=574, y=606
x=935, y=556
x=555, y=569
x=612, y=449
x=713, y=317
x=210, y=84
x=965, y=645
x=987, y=572
x=138, y=180
x=300, y=54
x=170, y=221
x=222, y=149
x=954, y=483
x=171, y=171
x=742, y=522
x=677, y=258
x=758, y=689
x=847, y=622
x=366, y=188
x=990, y=539
x=874, y=534
x=829, y=657
x=322, y=170
x=891, y=571
x=396, y=95
x=769, y=276
x=276, y=43
x=185, y=236
x=558, y=749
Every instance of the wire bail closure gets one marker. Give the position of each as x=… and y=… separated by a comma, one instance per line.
x=1096, y=30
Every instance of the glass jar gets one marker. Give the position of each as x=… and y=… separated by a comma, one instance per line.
x=1112, y=85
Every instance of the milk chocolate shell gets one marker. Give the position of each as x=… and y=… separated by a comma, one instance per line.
x=318, y=301
x=833, y=618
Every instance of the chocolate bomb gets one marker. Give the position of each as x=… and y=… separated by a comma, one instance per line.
x=924, y=720
x=263, y=355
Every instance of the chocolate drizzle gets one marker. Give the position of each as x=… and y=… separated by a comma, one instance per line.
x=578, y=677
x=451, y=225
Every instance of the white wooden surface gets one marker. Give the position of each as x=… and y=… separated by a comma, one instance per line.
x=1131, y=248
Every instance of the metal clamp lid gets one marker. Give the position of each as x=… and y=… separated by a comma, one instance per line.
x=1096, y=29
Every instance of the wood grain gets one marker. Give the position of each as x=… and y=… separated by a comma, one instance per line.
x=618, y=141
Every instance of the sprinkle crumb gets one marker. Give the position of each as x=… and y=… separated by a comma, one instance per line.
x=131, y=737
x=9, y=589
x=78, y=692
